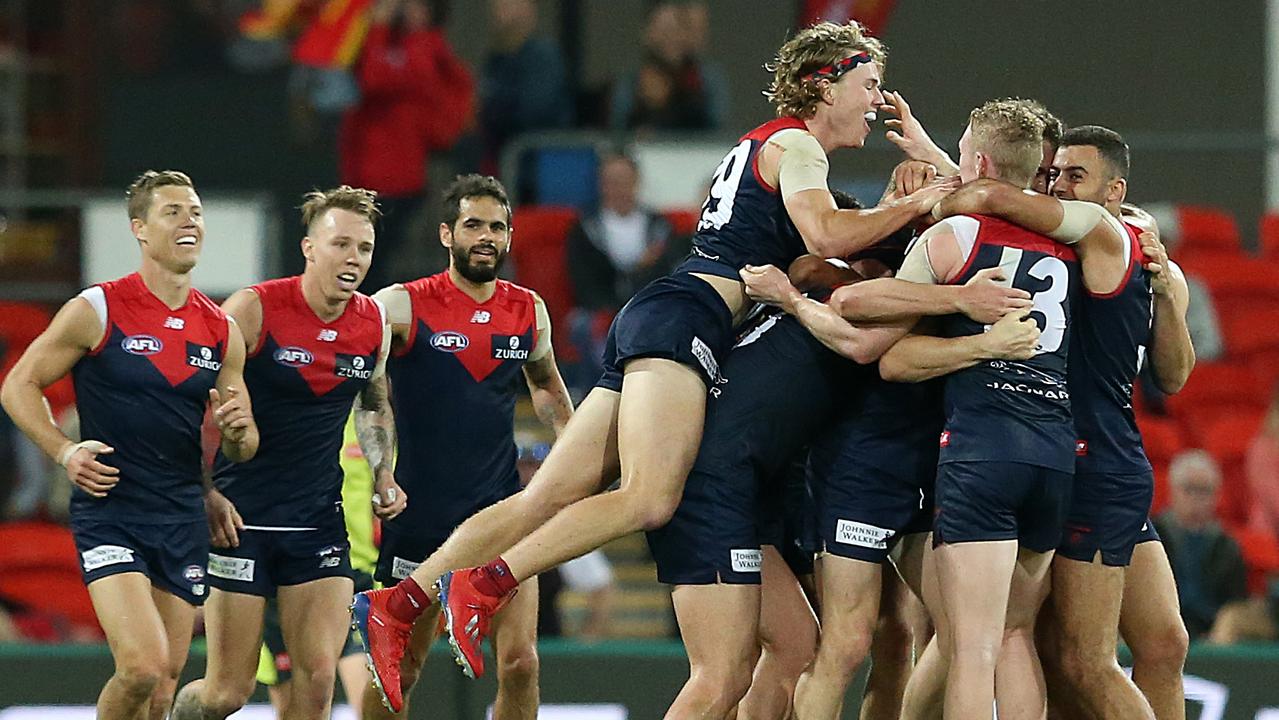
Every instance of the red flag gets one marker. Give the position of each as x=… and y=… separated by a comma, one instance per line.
x=873, y=14
x=332, y=31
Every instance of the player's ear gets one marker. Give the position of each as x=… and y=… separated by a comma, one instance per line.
x=136, y=225
x=1118, y=190
x=308, y=248
x=446, y=235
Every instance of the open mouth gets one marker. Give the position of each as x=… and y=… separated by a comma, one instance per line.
x=187, y=241
x=487, y=251
x=348, y=281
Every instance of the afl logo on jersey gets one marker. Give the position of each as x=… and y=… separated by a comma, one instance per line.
x=449, y=341
x=293, y=356
x=141, y=345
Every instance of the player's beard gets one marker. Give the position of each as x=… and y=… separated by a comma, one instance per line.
x=476, y=273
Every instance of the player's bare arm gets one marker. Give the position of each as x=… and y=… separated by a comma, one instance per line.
x=793, y=161
x=908, y=133
x=985, y=299
x=1095, y=233
x=375, y=429
x=1172, y=355
x=232, y=408
x=769, y=285
x=551, y=401
x=923, y=356
x=75, y=330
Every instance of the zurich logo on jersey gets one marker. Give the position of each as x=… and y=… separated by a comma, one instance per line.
x=141, y=345
x=449, y=341
x=293, y=356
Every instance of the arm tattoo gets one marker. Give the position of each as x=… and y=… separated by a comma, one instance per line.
x=375, y=426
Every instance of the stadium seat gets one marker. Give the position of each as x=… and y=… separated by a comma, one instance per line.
x=538, y=250
x=1260, y=554
x=1162, y=437
x=683, y=222
x=39, y=568
x=1231, y=276
x=1252, y=331
x=1213, y=386
x=1269, y=232
x=1207, y=228
x=566, y=176
x=1227, y=438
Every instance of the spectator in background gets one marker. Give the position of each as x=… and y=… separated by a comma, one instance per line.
x=1263, y=473
x=416, y=97
x=612, y=254
x=1206, y=562
x=524, y=85
x=675, y=88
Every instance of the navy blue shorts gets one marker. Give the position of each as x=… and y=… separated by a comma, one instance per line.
x=864, y=511
x=778, y=386
x=1149, y=533
x=1107, y=514
x=679, y=317
x=787, y=516
x=267, y=559
x=172, y=555
x=981, y=501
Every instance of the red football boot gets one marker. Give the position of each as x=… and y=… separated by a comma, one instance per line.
x=468, y=614
x=385, y=640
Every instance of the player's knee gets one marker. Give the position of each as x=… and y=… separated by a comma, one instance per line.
x=518, y=665
x=141, y=676
x=653, y=510
x=723, y=683
x=317, y=676
x=223, y=700
x=1164, y=650
x=541, y=502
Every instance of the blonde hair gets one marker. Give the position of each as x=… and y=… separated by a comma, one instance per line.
x=794, y=91
x=141, y=189
x=1010, y=132
x=357, y=200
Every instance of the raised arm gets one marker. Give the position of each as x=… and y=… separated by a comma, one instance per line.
x=75, y=330
x=1172, y=354
x=551, y=401
x=1100, y=239
x=795, y=163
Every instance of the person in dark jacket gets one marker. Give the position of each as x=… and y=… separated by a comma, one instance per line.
x=612, y=253
x=1206, y=562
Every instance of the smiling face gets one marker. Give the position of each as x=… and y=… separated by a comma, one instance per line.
x=851, y=101
x=338, y=249
x=171, y=231
x=1083, y=174
x=480, y=238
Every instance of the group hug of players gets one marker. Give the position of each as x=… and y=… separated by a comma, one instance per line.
x=940, y=392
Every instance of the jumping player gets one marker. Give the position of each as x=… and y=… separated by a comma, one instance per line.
x=462, y=340
x=316, y=346
x=644, y=419
x=147, y=352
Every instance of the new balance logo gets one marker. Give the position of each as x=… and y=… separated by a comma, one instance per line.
x=481, y=317
x=175, y=323
x=327, y=335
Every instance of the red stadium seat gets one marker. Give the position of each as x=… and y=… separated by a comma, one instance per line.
x=1231, y=276
x=1227, y=439
x=39, y=568
x=1207, y=228
x=538, y=250
x=1213, y=386
x=1162, y=437
x=1249, y=332
x=1260, y=554
x=1270, y=235
x=683, y=222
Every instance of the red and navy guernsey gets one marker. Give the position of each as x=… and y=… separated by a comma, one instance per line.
x=454, y=386
x=303, y=378
x=143, y=391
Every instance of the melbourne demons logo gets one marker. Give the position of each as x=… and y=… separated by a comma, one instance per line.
x=449, y=341
x=293, y=356
x=141, y=345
